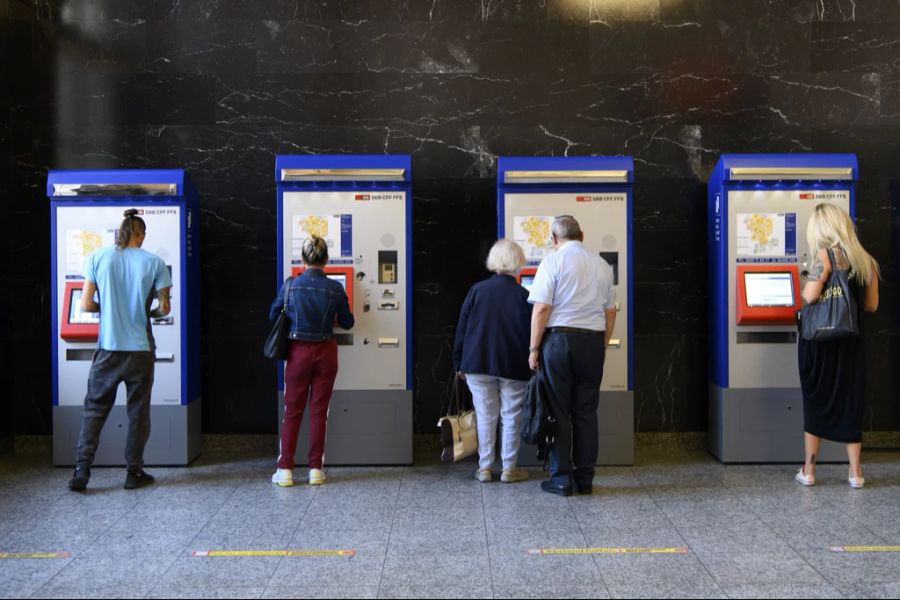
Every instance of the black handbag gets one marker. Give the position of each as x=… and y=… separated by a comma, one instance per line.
x=835, y=316
x=538, y=425
x=276, y=344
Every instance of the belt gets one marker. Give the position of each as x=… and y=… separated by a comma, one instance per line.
x=574, y=330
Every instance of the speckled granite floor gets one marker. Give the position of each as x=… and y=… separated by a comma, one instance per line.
x=433, y=531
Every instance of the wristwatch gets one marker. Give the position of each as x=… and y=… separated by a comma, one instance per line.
x=534, y=349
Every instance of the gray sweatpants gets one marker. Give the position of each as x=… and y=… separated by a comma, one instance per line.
x=108, y=370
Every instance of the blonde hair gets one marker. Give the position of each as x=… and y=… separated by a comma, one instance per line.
x=831, y=226
x=315, y=251
x=506, y=258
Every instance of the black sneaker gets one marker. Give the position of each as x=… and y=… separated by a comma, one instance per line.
x=80, y=479
x=138, y=479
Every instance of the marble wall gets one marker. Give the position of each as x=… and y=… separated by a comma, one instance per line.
x=221, y=86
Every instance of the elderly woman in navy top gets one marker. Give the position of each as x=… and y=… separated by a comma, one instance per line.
x=491, y=353
x=313, y=304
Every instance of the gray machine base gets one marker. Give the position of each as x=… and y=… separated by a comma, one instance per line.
x=365, y=427
x=761, y=426
x=175, y=436
x=615, y=420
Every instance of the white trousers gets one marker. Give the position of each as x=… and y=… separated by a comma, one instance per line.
x=497, y=399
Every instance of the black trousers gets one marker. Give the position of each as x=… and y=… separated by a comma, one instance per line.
x=573, y=370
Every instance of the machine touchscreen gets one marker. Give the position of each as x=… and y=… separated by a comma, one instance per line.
x=527, y=282
x=769, y=289
x=341, y=278
x=76, y=315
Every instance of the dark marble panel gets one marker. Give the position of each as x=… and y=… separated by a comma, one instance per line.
x=857, y=47
x=840, y=99
x=670, y=308
x=326, y=11
x=669, y=206
x=378, y=100
x=433, y=380
x=663, y=99
x=876, y=147
x=659, y=150
x=239, y=392
x=727, y=45
x=670, y=383
x=454, y=230
x=93, y=46
x=166, y=99
x=677, y=257
x=793, y=11
x=210, y=47
x=365, y=47
x=551, y=52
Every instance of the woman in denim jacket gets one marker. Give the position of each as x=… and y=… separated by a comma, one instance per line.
x=313, y=304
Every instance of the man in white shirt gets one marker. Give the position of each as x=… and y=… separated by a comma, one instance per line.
x=571, y=324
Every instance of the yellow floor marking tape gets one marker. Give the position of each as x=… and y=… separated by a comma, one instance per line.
x=34, y=555
x=546, y=551
x=864, y=548
x=214, y=553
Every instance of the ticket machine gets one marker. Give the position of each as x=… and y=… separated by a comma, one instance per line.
x=597, y=191
x=759, y=207
x=361, y=205
x=86, y=209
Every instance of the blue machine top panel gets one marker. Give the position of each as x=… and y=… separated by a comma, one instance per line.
x=564, y=163
x=727, y=162
x=344, y=162
x=97, y=179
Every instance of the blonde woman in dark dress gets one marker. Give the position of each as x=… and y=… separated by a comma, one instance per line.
x=832, y=374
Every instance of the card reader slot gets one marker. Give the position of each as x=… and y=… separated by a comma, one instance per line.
x=388, y=342
x=615, y=343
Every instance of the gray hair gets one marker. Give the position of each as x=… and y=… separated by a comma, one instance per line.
x=506, y=258
x=565, y=227
x=315, y=251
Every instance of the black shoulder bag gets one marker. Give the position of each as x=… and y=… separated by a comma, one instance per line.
x=276, y=344
x=538, y=426
x=835, y=315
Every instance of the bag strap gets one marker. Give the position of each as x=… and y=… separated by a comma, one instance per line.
x=287, y=292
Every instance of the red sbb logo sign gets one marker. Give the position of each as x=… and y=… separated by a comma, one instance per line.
x=362, y=197
x=807, y=196
x=583, y=198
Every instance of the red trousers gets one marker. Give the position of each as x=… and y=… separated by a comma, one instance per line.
x=309, y=375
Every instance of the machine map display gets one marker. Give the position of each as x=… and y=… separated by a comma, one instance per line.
x=762, y=234
x=533, y=234
x=334, y=229
x=81, y=243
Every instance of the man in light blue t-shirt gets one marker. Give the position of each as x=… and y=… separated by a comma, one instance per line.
x=126, y=280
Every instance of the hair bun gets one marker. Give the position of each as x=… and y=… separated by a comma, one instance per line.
x=131, y=212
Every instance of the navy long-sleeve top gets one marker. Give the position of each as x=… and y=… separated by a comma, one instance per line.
x=494, y=330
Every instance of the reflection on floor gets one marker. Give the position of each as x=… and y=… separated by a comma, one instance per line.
x=433, y=531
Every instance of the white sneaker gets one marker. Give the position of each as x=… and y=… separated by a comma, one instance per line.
x=283, y=478
x=857, y=483
x=804, y=479
x=316, y=477
x=484, y=475
x=513, y=475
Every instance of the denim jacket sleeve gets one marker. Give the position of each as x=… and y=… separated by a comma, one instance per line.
x=344, y=316
x=279, y=300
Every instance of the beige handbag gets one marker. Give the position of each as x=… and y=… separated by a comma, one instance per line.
x=459, y=436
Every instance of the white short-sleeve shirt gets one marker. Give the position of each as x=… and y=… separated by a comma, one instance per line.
x=578, y=284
